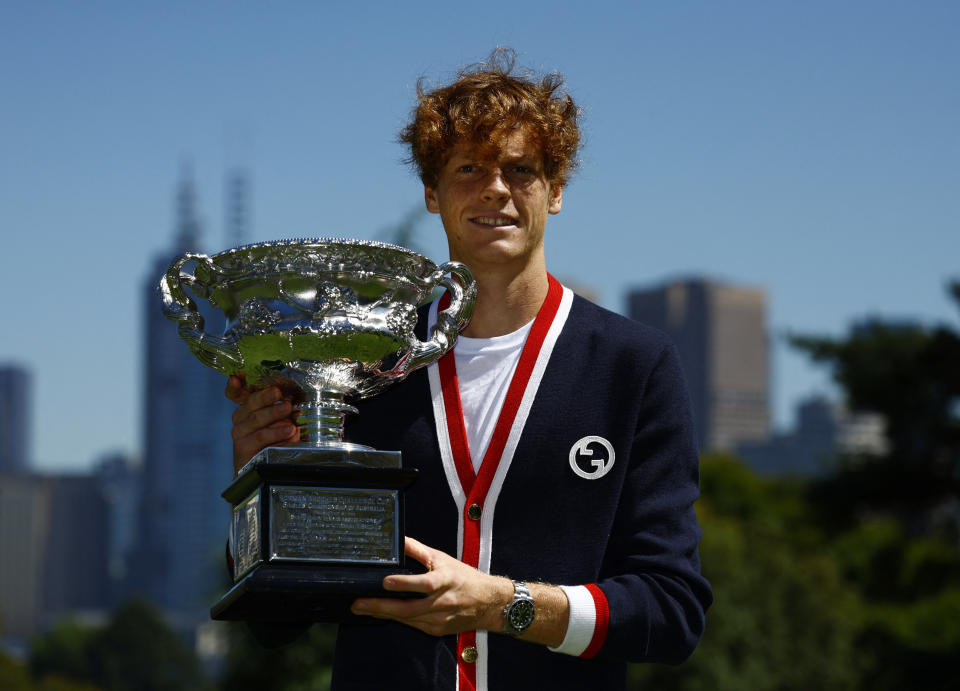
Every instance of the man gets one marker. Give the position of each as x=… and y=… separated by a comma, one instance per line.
x=555, y=447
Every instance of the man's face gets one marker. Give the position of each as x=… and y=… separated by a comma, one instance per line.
x=493, y=201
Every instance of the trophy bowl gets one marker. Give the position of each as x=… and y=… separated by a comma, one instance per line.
x=334, y=317
x=319, y=522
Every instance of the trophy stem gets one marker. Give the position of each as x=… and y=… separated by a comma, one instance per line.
x=321, y=418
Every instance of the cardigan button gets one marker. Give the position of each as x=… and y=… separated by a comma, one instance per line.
x=469, y=655
x=474, y=512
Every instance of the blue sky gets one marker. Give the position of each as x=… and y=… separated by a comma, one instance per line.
x=808, y=148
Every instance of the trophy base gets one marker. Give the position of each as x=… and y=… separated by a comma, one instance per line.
x=314, y=529
x=293, y=593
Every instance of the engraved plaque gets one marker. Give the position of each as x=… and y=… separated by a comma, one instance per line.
x=334, y=525
x=246, y=534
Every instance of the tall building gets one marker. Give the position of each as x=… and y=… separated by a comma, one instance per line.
x=15, y=407
x=53, y=546
x=75, y=559
x=178, y=560
x=118, y=477
x=237, y=208
x=721, y=333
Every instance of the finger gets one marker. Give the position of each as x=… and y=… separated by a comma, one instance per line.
x=278, y=414
x=276, y=432
x=268, y=425
x=248, y=446
x=389, y=608
x=415, y=583
x=419, y=551
x=256, y=401
x=236, y=389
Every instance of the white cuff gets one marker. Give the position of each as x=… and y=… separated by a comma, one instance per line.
x=582, y=620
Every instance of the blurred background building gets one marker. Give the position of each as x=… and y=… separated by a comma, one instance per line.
x=178, y=561
x=80, y=544
x=720, y=330
x=53, y=542
x=824, y=430
x=15, y=410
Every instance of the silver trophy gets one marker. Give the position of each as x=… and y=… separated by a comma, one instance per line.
x=320, y=522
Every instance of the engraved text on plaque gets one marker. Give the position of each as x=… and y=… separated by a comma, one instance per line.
x=334, y=525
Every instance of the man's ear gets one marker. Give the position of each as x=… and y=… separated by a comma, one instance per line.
x=430, y=198
x=556, y=199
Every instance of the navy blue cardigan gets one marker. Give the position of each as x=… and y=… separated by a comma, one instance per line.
x=629, y=533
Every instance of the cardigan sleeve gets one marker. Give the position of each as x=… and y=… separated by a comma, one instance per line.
x=651, y=599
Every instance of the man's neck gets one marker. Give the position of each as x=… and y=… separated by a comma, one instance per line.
x=506, y=303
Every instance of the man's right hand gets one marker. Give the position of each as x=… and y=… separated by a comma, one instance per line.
x=264, y=418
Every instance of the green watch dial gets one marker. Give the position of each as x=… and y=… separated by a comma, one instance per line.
x=521, y=615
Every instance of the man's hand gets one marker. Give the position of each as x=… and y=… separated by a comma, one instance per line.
x=457, y=597
x=263, y=418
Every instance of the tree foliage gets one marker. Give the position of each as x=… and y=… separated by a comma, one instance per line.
x=135, y=650
x=783, y=616
x=800, y=604
x=911, y=375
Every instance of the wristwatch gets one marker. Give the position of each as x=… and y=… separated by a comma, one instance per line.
x=518, y=615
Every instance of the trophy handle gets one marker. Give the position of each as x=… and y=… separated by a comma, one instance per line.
x=463, y=293
x=222, y=354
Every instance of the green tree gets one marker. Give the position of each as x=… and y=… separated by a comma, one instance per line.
x=65, y=651
x=135, y=650
x=15, y=676
x=910, y=374
x=783, y=616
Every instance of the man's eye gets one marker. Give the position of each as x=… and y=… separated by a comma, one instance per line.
x=466, y=168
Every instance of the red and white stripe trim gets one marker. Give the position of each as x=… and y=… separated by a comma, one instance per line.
x=475, y=537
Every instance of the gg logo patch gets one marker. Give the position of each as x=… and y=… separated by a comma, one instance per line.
x=592, y=452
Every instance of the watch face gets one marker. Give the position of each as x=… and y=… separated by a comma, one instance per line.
x=521, y=614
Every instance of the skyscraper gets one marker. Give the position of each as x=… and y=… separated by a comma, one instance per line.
x=15, y=404
x=720, y=331
x=178, y=561
x=53, y=547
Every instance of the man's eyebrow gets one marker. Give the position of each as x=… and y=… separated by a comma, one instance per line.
x=529, y=160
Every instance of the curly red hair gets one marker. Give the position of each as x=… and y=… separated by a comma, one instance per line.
x=484, y=102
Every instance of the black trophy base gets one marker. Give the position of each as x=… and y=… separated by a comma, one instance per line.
x=290, y=593
x=313, y=530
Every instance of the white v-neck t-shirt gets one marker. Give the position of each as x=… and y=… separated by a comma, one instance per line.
x=485, y=368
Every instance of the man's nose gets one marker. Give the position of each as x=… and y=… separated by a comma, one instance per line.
x=496, y=187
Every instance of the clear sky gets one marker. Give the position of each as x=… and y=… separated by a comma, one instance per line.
x=810, y=148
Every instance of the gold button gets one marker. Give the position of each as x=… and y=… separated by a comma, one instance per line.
x=469, y=655
x=474, y=511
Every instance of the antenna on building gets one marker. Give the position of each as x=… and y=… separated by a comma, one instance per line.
x=237, y=212
x=188, y=223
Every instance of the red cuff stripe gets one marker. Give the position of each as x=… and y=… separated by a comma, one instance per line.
x=601, y=624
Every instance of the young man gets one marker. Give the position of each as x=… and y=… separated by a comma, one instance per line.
x=554, y=508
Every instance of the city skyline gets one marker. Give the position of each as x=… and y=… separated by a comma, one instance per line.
x=810, y=150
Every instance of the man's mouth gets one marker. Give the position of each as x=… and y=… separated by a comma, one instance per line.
x=494, y=221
